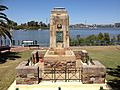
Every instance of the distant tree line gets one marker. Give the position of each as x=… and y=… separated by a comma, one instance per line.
x=31, y=25
x=94, y=40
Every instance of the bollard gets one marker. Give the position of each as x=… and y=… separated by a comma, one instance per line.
x=8, y=41
x=18, y=43
x=35, y=42
x=13, y=42
x=1, y=42
x=17, y=89
x=101, y=88
x=5, y=42
x=59, y=88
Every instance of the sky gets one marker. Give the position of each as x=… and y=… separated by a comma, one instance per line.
x=80, y=11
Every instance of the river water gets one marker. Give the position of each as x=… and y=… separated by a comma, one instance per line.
x=42, y=36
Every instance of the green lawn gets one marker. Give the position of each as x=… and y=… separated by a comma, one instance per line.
x=7, y=68
x=109, y=56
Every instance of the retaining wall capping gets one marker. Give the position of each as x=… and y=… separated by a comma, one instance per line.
x=27, y=74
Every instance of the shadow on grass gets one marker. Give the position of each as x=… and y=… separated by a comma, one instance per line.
x=114, y=83
x=9, y=56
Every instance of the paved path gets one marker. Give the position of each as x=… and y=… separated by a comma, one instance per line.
x=63, y=85
x=19, y=49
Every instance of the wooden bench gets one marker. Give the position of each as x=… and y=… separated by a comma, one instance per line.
x=4, y=48
x=33, y=46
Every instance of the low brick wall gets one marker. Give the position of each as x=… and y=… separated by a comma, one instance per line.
x=93, y=73
x=27, y=74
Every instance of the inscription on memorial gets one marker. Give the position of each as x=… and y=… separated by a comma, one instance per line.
x=59, y=36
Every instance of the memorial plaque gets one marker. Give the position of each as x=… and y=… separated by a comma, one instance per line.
x=59, y=36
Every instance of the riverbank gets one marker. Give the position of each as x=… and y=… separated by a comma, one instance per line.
x=38, y=35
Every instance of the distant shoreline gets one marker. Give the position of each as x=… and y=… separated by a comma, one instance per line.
x=77, y=29
x=94, y=28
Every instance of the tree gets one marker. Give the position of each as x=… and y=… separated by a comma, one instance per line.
x=13, y=24
x=118, y=37
x=113, y=40
x=74, y=42
x=4, y=24
x=78, y=38
x=107, y=38
x=91, y=39
x=82, y=41
x=100, y=38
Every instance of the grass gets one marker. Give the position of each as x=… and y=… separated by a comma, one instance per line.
x=108, y=55
x=7, y=68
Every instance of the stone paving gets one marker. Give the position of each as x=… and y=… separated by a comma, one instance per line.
x=47, y=85
x=19, y=49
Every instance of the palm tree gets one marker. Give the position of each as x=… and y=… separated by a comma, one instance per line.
x=4, y=24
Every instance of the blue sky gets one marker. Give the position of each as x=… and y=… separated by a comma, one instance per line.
x=91, y=11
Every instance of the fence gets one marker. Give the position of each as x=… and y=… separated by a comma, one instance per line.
x=20, y=43
x=65, y=74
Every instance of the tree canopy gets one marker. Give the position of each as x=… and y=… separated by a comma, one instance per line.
x=4, y=24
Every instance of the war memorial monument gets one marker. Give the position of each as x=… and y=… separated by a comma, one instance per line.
x=59, y=63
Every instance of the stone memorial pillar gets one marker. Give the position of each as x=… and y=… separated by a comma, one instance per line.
x=59, y=28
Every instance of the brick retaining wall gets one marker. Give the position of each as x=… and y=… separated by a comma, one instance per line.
x=27, y=74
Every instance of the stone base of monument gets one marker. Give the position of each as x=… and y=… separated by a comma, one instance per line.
x=59, y=58
x=56, y=67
